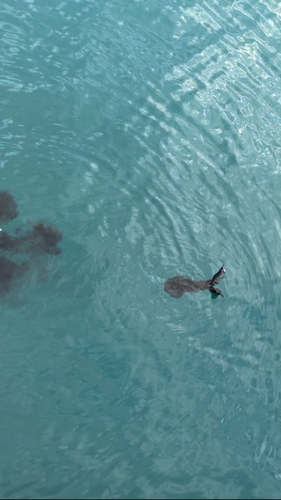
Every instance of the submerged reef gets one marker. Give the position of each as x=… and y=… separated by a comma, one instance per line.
x=8, y=207
x=38, y=239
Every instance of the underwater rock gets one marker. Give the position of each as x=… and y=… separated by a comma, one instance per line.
x=7, y=242
x=8, y=271
x=8, y=207
x=41, y=238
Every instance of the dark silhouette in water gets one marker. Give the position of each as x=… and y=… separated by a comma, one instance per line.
x=46, y=238
x=9, y=270
x=179, y=285
x=8, y=207
x=7, y=242
x=39, y=239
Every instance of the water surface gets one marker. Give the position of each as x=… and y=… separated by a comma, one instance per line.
x=149, y=135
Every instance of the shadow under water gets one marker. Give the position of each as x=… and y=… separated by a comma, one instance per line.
x=39, y=239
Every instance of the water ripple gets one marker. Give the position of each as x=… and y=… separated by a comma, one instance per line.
x=149, y=132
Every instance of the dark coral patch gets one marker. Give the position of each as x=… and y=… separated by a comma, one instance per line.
x=40, y=238
x=46, y=238
x=8, y=207
x=8, y=271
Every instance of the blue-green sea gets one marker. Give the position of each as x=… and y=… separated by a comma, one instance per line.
x=149, y=134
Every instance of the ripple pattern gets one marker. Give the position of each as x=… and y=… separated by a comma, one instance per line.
x=149, y=134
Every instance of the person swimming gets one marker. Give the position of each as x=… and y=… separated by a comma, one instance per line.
x=179, y=285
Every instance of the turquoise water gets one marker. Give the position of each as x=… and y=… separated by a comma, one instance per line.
x=148, y=132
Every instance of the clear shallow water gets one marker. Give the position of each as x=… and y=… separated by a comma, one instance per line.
x=149, y=135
